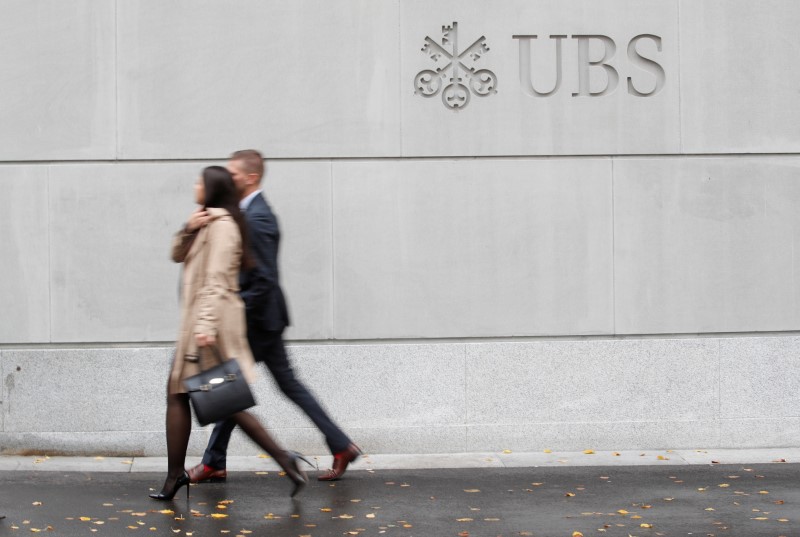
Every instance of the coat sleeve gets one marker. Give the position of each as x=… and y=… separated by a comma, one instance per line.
x=260, y=281
x=181, y=244
x=224, y=249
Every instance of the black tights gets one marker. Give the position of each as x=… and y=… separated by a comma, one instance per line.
x=179, y=426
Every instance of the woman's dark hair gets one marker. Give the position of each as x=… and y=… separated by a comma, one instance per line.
x=221, y=192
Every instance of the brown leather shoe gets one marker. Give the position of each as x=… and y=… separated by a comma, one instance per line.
x=206, y=474
x=340, y=462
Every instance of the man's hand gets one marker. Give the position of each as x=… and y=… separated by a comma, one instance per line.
x=197, y=220
x=204, y=340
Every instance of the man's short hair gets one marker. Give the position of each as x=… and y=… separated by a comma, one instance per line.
x=252, y=161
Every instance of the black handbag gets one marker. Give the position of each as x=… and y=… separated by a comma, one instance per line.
x=219, y=392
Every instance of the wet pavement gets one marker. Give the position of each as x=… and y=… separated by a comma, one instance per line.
x=743, y=500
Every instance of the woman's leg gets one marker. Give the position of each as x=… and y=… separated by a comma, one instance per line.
x=179, y=426
x=287, y=460
x=258, y=434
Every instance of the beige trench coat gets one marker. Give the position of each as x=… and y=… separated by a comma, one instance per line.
x=210, y=302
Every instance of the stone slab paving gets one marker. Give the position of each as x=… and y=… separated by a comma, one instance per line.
x=507, y=459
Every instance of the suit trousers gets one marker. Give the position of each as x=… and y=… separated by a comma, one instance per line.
x=267, y=347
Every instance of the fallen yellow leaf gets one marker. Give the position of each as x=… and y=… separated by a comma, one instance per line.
x=588, y=452
x=643, y=525
x=577, y=534
x=548, y=450
x=218, y=515
x=622, y=512
x=463, y=520
x=472, y=490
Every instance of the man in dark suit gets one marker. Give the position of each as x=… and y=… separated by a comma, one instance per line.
x=267, y=316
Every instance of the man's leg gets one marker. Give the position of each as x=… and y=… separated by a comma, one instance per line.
x=215, y=458
x=216, y=454
x=267, y=346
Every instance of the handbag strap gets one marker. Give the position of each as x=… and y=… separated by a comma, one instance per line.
x=196, y=357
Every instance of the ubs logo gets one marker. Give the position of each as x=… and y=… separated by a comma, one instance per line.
x=456, y=94
x=457, y=77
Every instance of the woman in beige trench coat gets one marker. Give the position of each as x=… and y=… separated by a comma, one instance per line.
x=212, y=314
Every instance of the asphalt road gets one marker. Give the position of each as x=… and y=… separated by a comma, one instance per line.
x=638, y=501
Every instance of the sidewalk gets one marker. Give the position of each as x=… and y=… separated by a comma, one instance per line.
x=506, y=459
x=708, y=493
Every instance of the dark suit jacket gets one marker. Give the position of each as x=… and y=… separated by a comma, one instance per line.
x=260, y=286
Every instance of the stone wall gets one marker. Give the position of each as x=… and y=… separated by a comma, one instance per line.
x=588, y=243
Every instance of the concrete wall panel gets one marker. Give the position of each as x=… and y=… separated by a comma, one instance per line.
x=25, y=257
x=472, y=248
x=755, y=378
x=94, y=389
x=706, y=245
x=57, y=80
x=739, y=76
x=394, y=386
x=604, y=381
x=300, y=195
x=306, y=78
x=760, y=432
x=514, y=121
x=111, y=226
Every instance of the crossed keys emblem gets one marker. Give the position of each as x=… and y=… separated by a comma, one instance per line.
x=456, y=94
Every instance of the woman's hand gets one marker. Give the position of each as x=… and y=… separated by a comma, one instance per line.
x=204, y=340
x=197, y=220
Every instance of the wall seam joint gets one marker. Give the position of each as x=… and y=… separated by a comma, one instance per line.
x=613, y=255
x=680, y=90
x=117, y=153
x=49, y=256
x=332, y=311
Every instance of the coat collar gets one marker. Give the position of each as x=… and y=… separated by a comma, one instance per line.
x=217, y=212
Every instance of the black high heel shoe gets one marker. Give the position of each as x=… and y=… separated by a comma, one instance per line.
x=298, y=476
x=166, y=495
